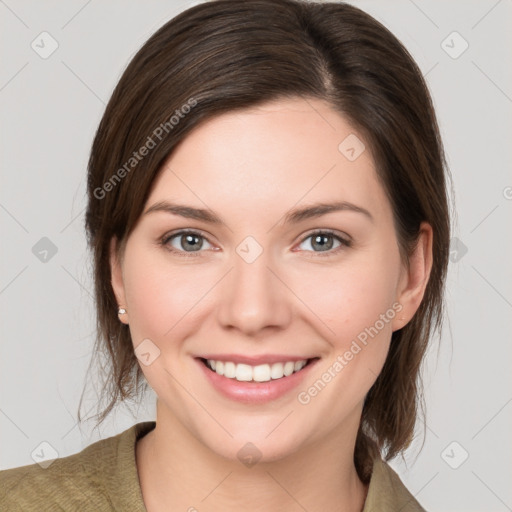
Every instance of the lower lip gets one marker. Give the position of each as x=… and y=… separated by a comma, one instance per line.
x=255, y=392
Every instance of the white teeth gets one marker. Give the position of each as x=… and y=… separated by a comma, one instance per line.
x=243, y=372
x=288, y=368
x=260, y=373
x=297, y=366
x=276, y=372
x=229, y=370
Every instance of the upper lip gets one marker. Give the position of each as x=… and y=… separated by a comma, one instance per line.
x=255, y=360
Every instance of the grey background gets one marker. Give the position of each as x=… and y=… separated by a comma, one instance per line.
x=50, y=109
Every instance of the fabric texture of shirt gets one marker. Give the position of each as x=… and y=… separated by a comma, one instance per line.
x=103, y=478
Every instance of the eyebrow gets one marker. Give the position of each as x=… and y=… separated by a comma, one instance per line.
x=294, y=216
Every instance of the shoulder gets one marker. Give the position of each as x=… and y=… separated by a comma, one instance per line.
x=87, y=480
x=387, y=492
x=64, y=484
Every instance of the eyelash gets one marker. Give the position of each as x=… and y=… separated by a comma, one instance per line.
x=345, y=242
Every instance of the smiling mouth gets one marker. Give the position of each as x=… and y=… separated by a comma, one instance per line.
x=258, y=373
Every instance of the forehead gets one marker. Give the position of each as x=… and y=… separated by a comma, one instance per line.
x=267, y=159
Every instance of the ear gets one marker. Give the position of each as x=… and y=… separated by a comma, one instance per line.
x=414, y=279
x=117, y=278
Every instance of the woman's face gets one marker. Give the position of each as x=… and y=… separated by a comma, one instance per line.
x=258, y=283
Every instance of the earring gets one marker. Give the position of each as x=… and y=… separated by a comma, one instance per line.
x=121, y=311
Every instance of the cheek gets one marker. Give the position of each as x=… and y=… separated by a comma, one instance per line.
x=349, y=301
x=358, y=306
x=161, y=298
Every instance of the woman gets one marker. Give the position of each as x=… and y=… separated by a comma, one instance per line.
x=269, y=225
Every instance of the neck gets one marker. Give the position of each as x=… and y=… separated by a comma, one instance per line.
x=178, y=472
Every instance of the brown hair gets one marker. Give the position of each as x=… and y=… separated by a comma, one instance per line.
x=224, y=55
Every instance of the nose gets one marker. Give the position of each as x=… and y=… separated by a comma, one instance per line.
x=254, y=297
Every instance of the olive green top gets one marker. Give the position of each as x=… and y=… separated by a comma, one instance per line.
x=103, y=478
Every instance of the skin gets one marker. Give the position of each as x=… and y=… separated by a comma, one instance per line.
x=251, y=167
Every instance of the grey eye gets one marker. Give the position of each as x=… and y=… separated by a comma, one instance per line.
x=187, y=242
x=321, y=242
